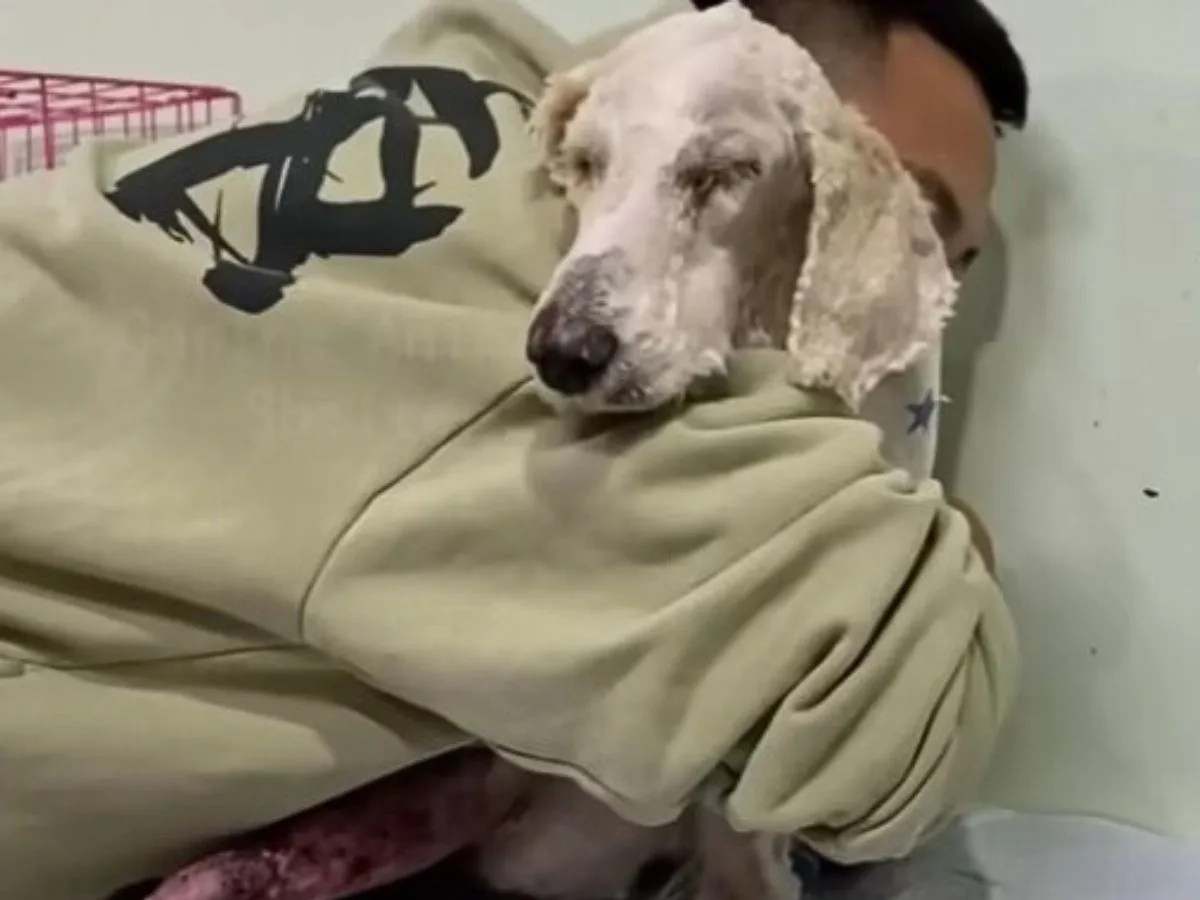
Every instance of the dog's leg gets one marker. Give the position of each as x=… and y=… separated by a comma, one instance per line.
x=565, y=845
x=731, y=865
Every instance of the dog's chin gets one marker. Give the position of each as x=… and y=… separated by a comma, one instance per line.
x=626, y=401
x=632, y=398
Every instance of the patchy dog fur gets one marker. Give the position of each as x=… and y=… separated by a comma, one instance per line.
x=726, y=200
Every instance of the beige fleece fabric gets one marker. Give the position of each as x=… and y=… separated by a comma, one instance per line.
x=279, y=513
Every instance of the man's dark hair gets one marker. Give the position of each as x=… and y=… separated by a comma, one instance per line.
x=966, y=28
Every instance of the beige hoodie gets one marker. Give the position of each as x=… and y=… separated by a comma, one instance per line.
x=279, y=513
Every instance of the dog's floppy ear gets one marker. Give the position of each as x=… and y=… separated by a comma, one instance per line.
x=875, y=289
x=564, y=92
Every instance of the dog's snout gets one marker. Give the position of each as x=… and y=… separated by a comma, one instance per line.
x=569, y=353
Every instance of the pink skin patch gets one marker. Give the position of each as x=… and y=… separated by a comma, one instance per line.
x=376, y=835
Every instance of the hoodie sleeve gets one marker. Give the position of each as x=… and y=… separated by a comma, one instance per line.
x=743, y=590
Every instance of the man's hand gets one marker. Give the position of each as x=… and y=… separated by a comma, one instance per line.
x=979, y=533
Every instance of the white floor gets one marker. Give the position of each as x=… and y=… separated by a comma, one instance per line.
x=1076, y=425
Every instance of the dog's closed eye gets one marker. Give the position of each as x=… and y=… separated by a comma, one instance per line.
x=701, y=182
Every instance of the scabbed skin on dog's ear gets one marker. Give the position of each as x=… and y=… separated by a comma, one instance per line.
x=552, y=114
x=875, y=290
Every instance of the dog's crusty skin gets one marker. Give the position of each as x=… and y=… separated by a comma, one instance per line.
x=750, y=206
x=680, y=173
x=368, y=838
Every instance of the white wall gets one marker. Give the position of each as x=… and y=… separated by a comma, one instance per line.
x=1076, y=368
x=263, y=48
x=1086, y=397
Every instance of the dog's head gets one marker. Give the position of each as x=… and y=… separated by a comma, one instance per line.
x=725, y=195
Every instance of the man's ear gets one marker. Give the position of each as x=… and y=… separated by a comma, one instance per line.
x=875, y=289
x=553, y=112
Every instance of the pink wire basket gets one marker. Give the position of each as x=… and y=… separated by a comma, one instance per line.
x=43, y=115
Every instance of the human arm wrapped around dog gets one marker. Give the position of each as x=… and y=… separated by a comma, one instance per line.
x=746, y=586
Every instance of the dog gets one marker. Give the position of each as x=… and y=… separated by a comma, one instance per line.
x=728, y=200
x=725, y=201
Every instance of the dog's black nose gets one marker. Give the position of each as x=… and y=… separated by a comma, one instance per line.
x=569, y=353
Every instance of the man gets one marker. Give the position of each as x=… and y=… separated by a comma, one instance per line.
x=276, y=501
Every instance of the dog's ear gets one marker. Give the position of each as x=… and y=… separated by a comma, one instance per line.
x=875, y=289
x=563, y=93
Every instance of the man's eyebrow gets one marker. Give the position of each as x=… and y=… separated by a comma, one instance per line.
x=948, y=215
